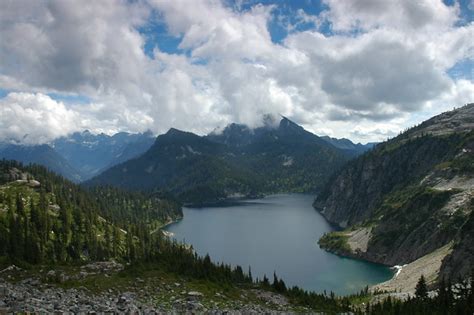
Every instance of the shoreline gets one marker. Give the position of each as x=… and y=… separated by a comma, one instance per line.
x=229, y=201
x=407, y=275
x=172, y=221
x=164, y=225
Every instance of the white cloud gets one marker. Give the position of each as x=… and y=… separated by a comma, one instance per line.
x=34, y=118
x=361, y=85
x=409, y=15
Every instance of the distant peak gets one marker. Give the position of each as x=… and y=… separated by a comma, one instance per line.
x=174, y=131
x=285, y=123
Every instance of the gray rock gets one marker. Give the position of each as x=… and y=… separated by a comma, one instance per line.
x=3, y=291
x=195, y=294
x=11, y=268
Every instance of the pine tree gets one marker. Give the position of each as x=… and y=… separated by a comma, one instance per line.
x=421, y=289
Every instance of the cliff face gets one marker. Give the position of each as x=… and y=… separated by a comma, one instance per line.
x=461, y=261
x=415, y=193
x=359, y=189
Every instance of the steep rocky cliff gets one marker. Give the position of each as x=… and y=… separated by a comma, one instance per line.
x=410, y=195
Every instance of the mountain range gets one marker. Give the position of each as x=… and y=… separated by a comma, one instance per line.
x=400, y=202
x=90, y=153
x=351, y=148
x=280, y=156
x=81, y=155
x=43, y=155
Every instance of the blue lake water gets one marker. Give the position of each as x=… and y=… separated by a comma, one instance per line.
x=277, y=233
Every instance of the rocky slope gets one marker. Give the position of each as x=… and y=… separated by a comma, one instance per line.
x=97, y=288
x=414, y=194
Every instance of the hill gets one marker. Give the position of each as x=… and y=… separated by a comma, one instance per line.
x=46, y=218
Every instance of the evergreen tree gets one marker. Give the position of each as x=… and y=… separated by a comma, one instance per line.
x=421, y=289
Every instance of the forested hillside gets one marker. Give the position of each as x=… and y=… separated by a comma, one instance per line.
x=47, y=218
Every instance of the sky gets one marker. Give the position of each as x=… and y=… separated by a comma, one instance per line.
x=360, y=69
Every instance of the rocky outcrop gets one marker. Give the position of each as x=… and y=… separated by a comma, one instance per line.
x=456, y=121
x=359, y=239
x=461, y=261
x=407, y=276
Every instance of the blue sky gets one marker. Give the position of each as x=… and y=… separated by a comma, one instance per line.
x=284, y=21
x=284, y=14
x=363, y=70
x=156, y=35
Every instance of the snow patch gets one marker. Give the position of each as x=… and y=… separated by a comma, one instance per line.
x=190, y=149
x=287, y=160
x=150, y=169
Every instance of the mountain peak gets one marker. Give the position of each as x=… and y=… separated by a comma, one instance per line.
x=457, y=120
x=288, y=126
x=176, y=132
x=176, y=136
x=287, y=122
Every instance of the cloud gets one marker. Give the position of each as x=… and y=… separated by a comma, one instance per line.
x=375, y=72
x=384, y=63
x=420, y=15
x=34, y=118
x=71, y=45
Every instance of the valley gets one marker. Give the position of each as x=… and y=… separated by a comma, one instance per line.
x=237, y=157
x=223, y=215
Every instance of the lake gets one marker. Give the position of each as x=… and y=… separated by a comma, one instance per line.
x=277, y=233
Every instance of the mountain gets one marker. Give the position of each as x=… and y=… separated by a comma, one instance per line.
x=353, y=149
x=91, y=153
x=409, y=197
x=42, y=155
x=188, y=165
x=239, y=161
x=284, y=154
